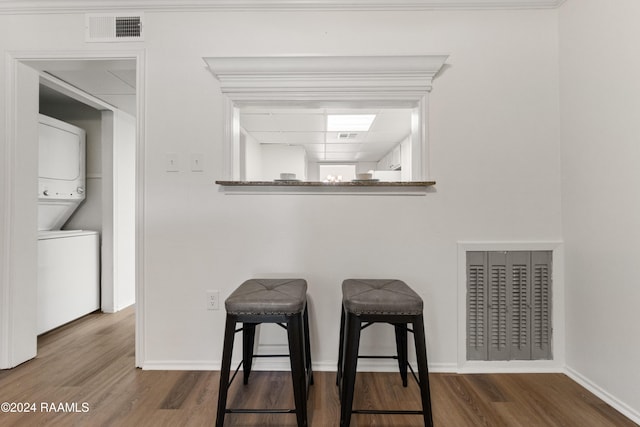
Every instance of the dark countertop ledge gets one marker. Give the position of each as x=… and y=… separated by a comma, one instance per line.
x=326, y=184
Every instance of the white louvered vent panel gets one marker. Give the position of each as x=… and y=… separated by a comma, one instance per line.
x=122, y=27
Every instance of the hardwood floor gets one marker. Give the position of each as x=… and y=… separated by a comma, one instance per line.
x=90, y=364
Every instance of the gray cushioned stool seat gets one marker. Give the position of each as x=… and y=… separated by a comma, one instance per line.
x=379, y=296
x=268, y=296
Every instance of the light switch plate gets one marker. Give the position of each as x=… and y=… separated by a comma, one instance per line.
x=172, y=162
x=196, y=162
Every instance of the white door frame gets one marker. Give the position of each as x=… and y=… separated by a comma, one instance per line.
x=11, y=235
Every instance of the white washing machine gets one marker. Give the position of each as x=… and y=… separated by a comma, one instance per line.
x=68, y=276
x=68, y=260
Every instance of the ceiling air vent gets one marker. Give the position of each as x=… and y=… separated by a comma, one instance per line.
x=123, y=27
x=347, y=135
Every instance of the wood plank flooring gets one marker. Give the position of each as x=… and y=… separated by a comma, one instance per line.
x=90, y=364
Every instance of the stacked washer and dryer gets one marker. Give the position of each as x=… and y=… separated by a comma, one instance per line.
x=68, y=260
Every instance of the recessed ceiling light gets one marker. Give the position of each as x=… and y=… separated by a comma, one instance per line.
x=349, y=122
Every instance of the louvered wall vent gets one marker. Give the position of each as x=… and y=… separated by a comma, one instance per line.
x=509, y=305
x=124, y=27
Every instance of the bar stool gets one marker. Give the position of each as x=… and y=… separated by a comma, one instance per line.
x=256, y=301
x=369, y=301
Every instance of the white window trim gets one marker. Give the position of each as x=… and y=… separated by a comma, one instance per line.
x=382, y=81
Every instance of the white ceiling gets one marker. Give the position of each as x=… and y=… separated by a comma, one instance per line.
x=307, y=127
x=112, y=81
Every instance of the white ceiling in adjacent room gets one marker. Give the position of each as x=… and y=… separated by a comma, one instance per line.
x=112, y=81
x=307, y=127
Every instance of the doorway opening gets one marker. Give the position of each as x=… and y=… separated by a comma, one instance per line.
x=61, y=85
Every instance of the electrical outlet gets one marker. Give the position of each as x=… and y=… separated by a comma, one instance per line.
x=213, y=300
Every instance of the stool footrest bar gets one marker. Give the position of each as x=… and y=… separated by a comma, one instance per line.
x=260, y=411
x=378, y=357
x=382, y=411
x=270, y=355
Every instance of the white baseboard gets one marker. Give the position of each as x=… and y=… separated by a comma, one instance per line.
x=182, y=365
x=365, y=365
x=112, y=309
x=284, y=365
x=611, y=400
x=125, y=304
x=510, y=367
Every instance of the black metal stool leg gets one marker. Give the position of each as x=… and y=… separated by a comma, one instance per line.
x=248, y=339
x=296, y=351
x=227, y=350
x=423, y=369
x=307, y=347
x=340, y=349
x=352, y=345
x=401, y=346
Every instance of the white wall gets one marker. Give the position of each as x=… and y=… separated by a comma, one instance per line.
x=494, y=153
x=18, y=319
x=252, y=152
x=364, y=167
x=313, y=169
x=124, y=202
x=405, y=159
x=600, y=107
x=345, y=172
x=118, y=207
x=500, y=156
x=277, y=159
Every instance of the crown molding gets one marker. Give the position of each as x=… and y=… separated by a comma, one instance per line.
x=390, y=78
x=81, y=6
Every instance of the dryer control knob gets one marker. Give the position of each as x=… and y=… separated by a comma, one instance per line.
x=80, y=190
x=45, y=192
